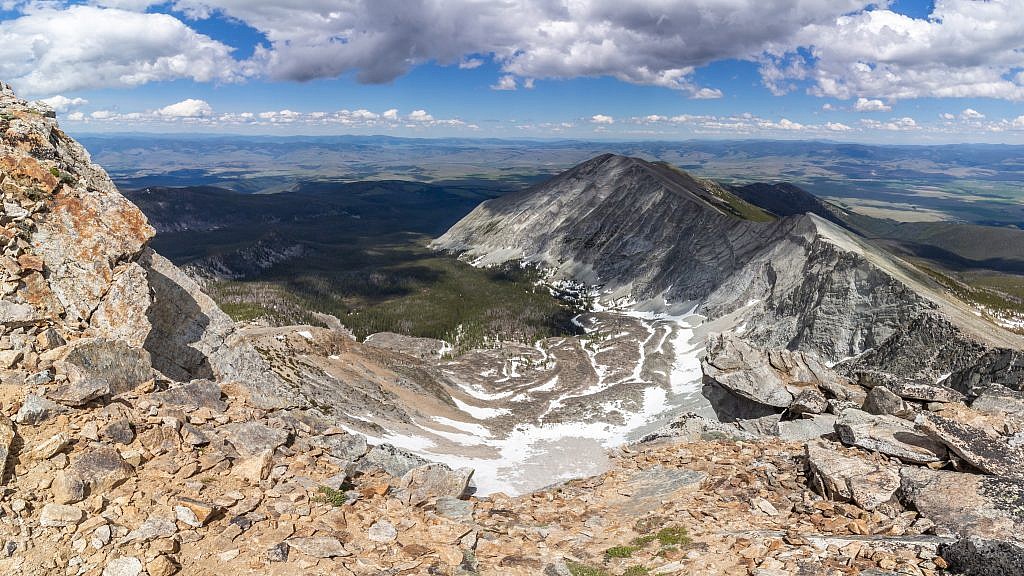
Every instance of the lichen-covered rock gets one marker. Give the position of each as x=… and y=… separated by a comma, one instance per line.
x=884, y=402
x=988, y=453
x=888, y=435
x=96, y=367
x=432, y=481
x=98, y=468
x=851, y=478
x=983, y=512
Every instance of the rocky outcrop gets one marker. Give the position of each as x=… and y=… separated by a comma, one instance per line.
x=988, y=453
x=849, y=477
x=888, y=435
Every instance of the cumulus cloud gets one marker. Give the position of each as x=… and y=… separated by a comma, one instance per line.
x=50, y=49
x=63, y=103
x=507, y=82
x=420, y=116
x=643, y=42
x=971, y=114
x=837, y=127
x=190, y=108
x=965, y=48
x=865, y=105
x=602, y=119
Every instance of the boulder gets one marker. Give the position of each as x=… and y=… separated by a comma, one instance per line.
x=884, y=402
x=96, y=469
x=121, y=314
x=749, y=416
x=1001, y=402
x=801, y=429
x=319, y=546
x=745, y=371
x=348, y=447
x=252, y=438
x=988, y=453
x=394, y=461
x=382, y=531
x=123, y=566
x=192, y=396
x=888, y=435
x=982, y=512
x=432, y=481
x=36, y=409
x=809, y=401
x=60, y=515
x=850, y=478
x=923, y=392
x=97, y=367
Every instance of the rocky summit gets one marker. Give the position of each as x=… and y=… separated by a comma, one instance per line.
x=145, y=433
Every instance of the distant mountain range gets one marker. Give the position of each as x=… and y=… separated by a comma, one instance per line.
x=968, y=183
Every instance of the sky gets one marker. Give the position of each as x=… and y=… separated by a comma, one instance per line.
x=901, y=71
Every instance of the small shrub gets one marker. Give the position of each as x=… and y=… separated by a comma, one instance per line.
x=578, y=569
x=642, y=541
x=673, y=536
x=621, y=551
x=636, y=571
x=330, y=496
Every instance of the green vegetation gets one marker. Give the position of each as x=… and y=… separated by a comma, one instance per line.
x=673, y=536
x=636, y=571
x=358, y=251
x=578, y=569
x=1002, y=295
x=620, y=551
x=403, y=287
x=644, y=540
x=330, y=496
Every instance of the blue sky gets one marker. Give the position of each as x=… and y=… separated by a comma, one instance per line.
x=909, y=71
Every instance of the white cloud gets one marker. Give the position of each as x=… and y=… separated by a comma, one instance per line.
x=507, y=82
x=191, y=108
x=391, y=114
x=965, y=48
x=48, y=50
x=76, y=117
x=470, y=63
x=528, y=83
x=643, y=41
x=828, y=107
x=1018, y=122
x=947, y=116
x=865, y=105
x=602, y=119
x=971, y=114
x=420, y=116
x=706, y=94
x=837, y=127
x=62, y=103
x=903, y=124
x=102, y=115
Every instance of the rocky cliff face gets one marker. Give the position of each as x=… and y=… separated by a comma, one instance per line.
x=661, y=238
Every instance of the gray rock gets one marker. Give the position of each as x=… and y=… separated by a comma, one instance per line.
x=123, y=566
x=382, y=531
x=347, y=447
x=118, y=431
x=984, y=556
x=998, y=400
x=692, y=427
x=394, y=461
x=816, y=426
x=809, y=401
x=749, y=416
x=859, y=480
x=97, y=367
x=983, y=512
x=884, y=402
x=987, y=453
x=60, y=515
x=745, y=371
x=923, y=391
x=154, y=527
x=431, y=481
x=319, y=546
x=454, y=508
x=888, y=435
x=252, y=438
x=191, y=396
x=36, y=409
x=278, y=552
x=97, y=468
x=6, y=439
